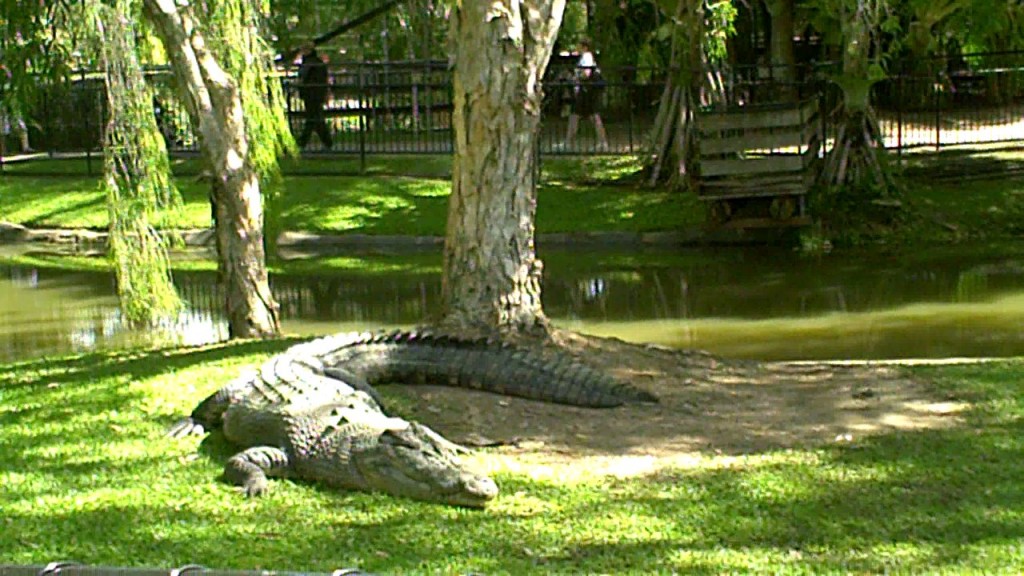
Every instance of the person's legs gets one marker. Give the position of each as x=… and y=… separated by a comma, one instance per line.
x=309, y=123
x=574, y=125
x=307, y=131
x=602, y=136
x=323, y=131
x=23, y=135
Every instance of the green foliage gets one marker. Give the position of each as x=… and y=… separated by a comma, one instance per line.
x=233, y=28
x=35, y=45
x=140, y=193
x=718, y=27
x=90, y=475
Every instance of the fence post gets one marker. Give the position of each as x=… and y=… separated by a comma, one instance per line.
x=362, y=118
x=938, y=113
x=899, y=119
x=47, y=125
x=88, y=132
x=630, y=102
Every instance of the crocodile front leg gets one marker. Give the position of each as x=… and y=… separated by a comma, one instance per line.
x=250, y=468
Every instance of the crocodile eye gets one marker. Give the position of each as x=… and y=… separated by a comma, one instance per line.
x=401, y=439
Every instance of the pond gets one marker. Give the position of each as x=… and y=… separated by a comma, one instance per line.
x=758, y=303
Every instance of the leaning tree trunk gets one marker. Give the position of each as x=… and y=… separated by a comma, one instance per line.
x=673, y=141
x=212, y=98
x=491, y=279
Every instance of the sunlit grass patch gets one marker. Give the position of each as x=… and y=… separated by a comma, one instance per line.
x=87, y=473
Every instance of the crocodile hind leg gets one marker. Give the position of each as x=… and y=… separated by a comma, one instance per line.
x=251, y=468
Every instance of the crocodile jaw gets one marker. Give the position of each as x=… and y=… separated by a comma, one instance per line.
x=411, y=463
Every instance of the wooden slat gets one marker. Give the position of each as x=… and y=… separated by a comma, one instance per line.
x=768, y=222
x=707, y=193
x=745, y=142
x=750, y=119
x=755, y=181
x=771, y=165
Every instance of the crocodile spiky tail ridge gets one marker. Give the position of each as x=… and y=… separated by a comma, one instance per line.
x=427, y=358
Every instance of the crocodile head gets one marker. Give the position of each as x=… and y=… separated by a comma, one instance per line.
x=416, y=463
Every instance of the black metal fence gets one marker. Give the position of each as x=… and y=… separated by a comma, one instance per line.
x=406, y=108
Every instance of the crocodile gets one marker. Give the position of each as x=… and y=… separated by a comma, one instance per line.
x=307, y=411
x=348, y=444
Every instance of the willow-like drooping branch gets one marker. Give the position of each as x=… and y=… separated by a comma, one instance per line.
x=140, y=192
x=233, y=27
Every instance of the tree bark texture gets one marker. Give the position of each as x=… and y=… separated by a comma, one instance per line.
x=213, y=101
x=673, y=144
x=783, y=58
x=491, y=280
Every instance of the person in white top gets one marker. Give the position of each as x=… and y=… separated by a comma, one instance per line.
x=586, y=97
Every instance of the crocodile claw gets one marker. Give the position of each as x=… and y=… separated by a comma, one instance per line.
x=185, y=427
x=256, y=487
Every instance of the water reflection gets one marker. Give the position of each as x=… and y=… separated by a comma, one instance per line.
x=753, y=303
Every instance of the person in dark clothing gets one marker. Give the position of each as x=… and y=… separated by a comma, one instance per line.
x=587, y=96
x=313, y=90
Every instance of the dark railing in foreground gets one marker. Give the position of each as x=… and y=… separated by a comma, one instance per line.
x=73, y=569
x=406, y=108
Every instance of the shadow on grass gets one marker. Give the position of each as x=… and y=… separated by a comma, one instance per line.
x=913, y=501
x=923, y=500
x=900, y=501
x=131, y=364
x=963, y=163
x=43, y=190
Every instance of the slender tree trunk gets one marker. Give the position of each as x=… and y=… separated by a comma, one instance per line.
x=213, y=101
x=491, y=280
x=855, y=162
x=674, y=138
x=783, y=58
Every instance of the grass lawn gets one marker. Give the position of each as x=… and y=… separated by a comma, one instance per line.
x=575, y=196
x=87, y=474
x=978, y=195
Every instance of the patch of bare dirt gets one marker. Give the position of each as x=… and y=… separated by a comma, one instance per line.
x=708, y=406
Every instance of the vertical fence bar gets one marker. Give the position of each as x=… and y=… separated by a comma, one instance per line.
x=88, y=132
x=47, y=125
x=899, y=120
x=938, y=114
x=362, y=117
x=631, y=96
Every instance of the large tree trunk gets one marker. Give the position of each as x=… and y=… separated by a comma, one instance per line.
x=212, y=98
x=491, y=280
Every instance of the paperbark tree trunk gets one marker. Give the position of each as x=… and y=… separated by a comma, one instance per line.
x=212, y=98
x=491, y=279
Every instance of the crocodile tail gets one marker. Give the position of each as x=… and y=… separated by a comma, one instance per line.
x=425, y=357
